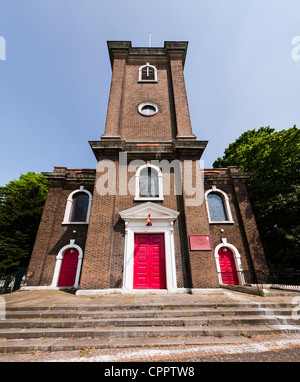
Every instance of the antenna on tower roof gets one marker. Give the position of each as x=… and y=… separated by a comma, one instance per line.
x=149, y=39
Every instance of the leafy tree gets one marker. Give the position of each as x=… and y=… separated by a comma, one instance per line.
x=274, y=159
x=21, y=206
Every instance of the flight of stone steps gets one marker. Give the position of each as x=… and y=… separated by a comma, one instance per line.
x=56, y=328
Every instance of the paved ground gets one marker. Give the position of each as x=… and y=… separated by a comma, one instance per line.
x=286, y=355
x=270, y=348
x=56, y=298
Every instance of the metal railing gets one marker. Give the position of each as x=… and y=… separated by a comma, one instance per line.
x=285, y=279
x=254, y=278
x=14, y=281
x=274, y=279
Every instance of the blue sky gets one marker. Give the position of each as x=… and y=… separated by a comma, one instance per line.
x=54, y=83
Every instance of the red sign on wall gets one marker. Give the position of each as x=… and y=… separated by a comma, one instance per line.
x=200, y=243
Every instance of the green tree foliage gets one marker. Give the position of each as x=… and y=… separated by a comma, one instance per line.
x=21, y=206
x=274, y=159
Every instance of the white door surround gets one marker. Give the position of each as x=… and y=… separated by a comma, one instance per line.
x=237, y=261
x=162, y=220
x=59, y=259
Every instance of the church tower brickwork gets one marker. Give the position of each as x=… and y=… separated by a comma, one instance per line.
x=148, y=217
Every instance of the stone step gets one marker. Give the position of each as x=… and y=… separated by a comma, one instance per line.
x=190, y=312
x=70, y=327
x=74, y=339
x=158, y=321
x=145, y=331
x=151, y=306
x=83, y=344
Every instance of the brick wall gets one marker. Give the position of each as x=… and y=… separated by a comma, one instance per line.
x=104, y=253
x=243, y=233
x=133, y=125
x=52, y=235
x=203, y=267
x=104, y=250
x=112, y=127
x=183, y=121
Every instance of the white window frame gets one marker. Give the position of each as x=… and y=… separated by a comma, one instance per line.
x=160, y=196
x=226, y=204
x=69, y=204
x=142, y=105
x=149, y=66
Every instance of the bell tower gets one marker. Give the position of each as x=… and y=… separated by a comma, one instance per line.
x=148, y=99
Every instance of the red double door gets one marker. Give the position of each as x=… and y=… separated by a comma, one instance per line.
x=227, y=265
x=149, y=270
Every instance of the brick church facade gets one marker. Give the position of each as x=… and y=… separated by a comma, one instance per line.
x=147, y=217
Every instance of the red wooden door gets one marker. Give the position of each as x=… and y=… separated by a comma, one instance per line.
x=68, y=268
x=227, y=265
x=149, y=270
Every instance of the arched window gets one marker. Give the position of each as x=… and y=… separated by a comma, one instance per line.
x=78, y=207
x=218, y=207
x=147, y=73
x=148, y=183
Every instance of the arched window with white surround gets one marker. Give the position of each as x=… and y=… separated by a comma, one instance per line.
x=78, y=207
x=218, y=206
x=148, y=183
x=147, y=73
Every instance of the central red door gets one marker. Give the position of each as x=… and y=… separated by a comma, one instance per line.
x=149, y=262
x=227, y=265
x=68, y=268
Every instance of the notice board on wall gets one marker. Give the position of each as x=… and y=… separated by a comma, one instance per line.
x=200, y=243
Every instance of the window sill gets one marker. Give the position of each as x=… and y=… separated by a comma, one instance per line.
x=142, y=81
x=139, y=199
x=67, y=223
x=222, y=222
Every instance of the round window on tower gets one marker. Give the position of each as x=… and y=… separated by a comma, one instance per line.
x=148, y=109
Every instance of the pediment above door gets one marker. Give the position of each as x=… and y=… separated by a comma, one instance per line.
x=156, y=211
